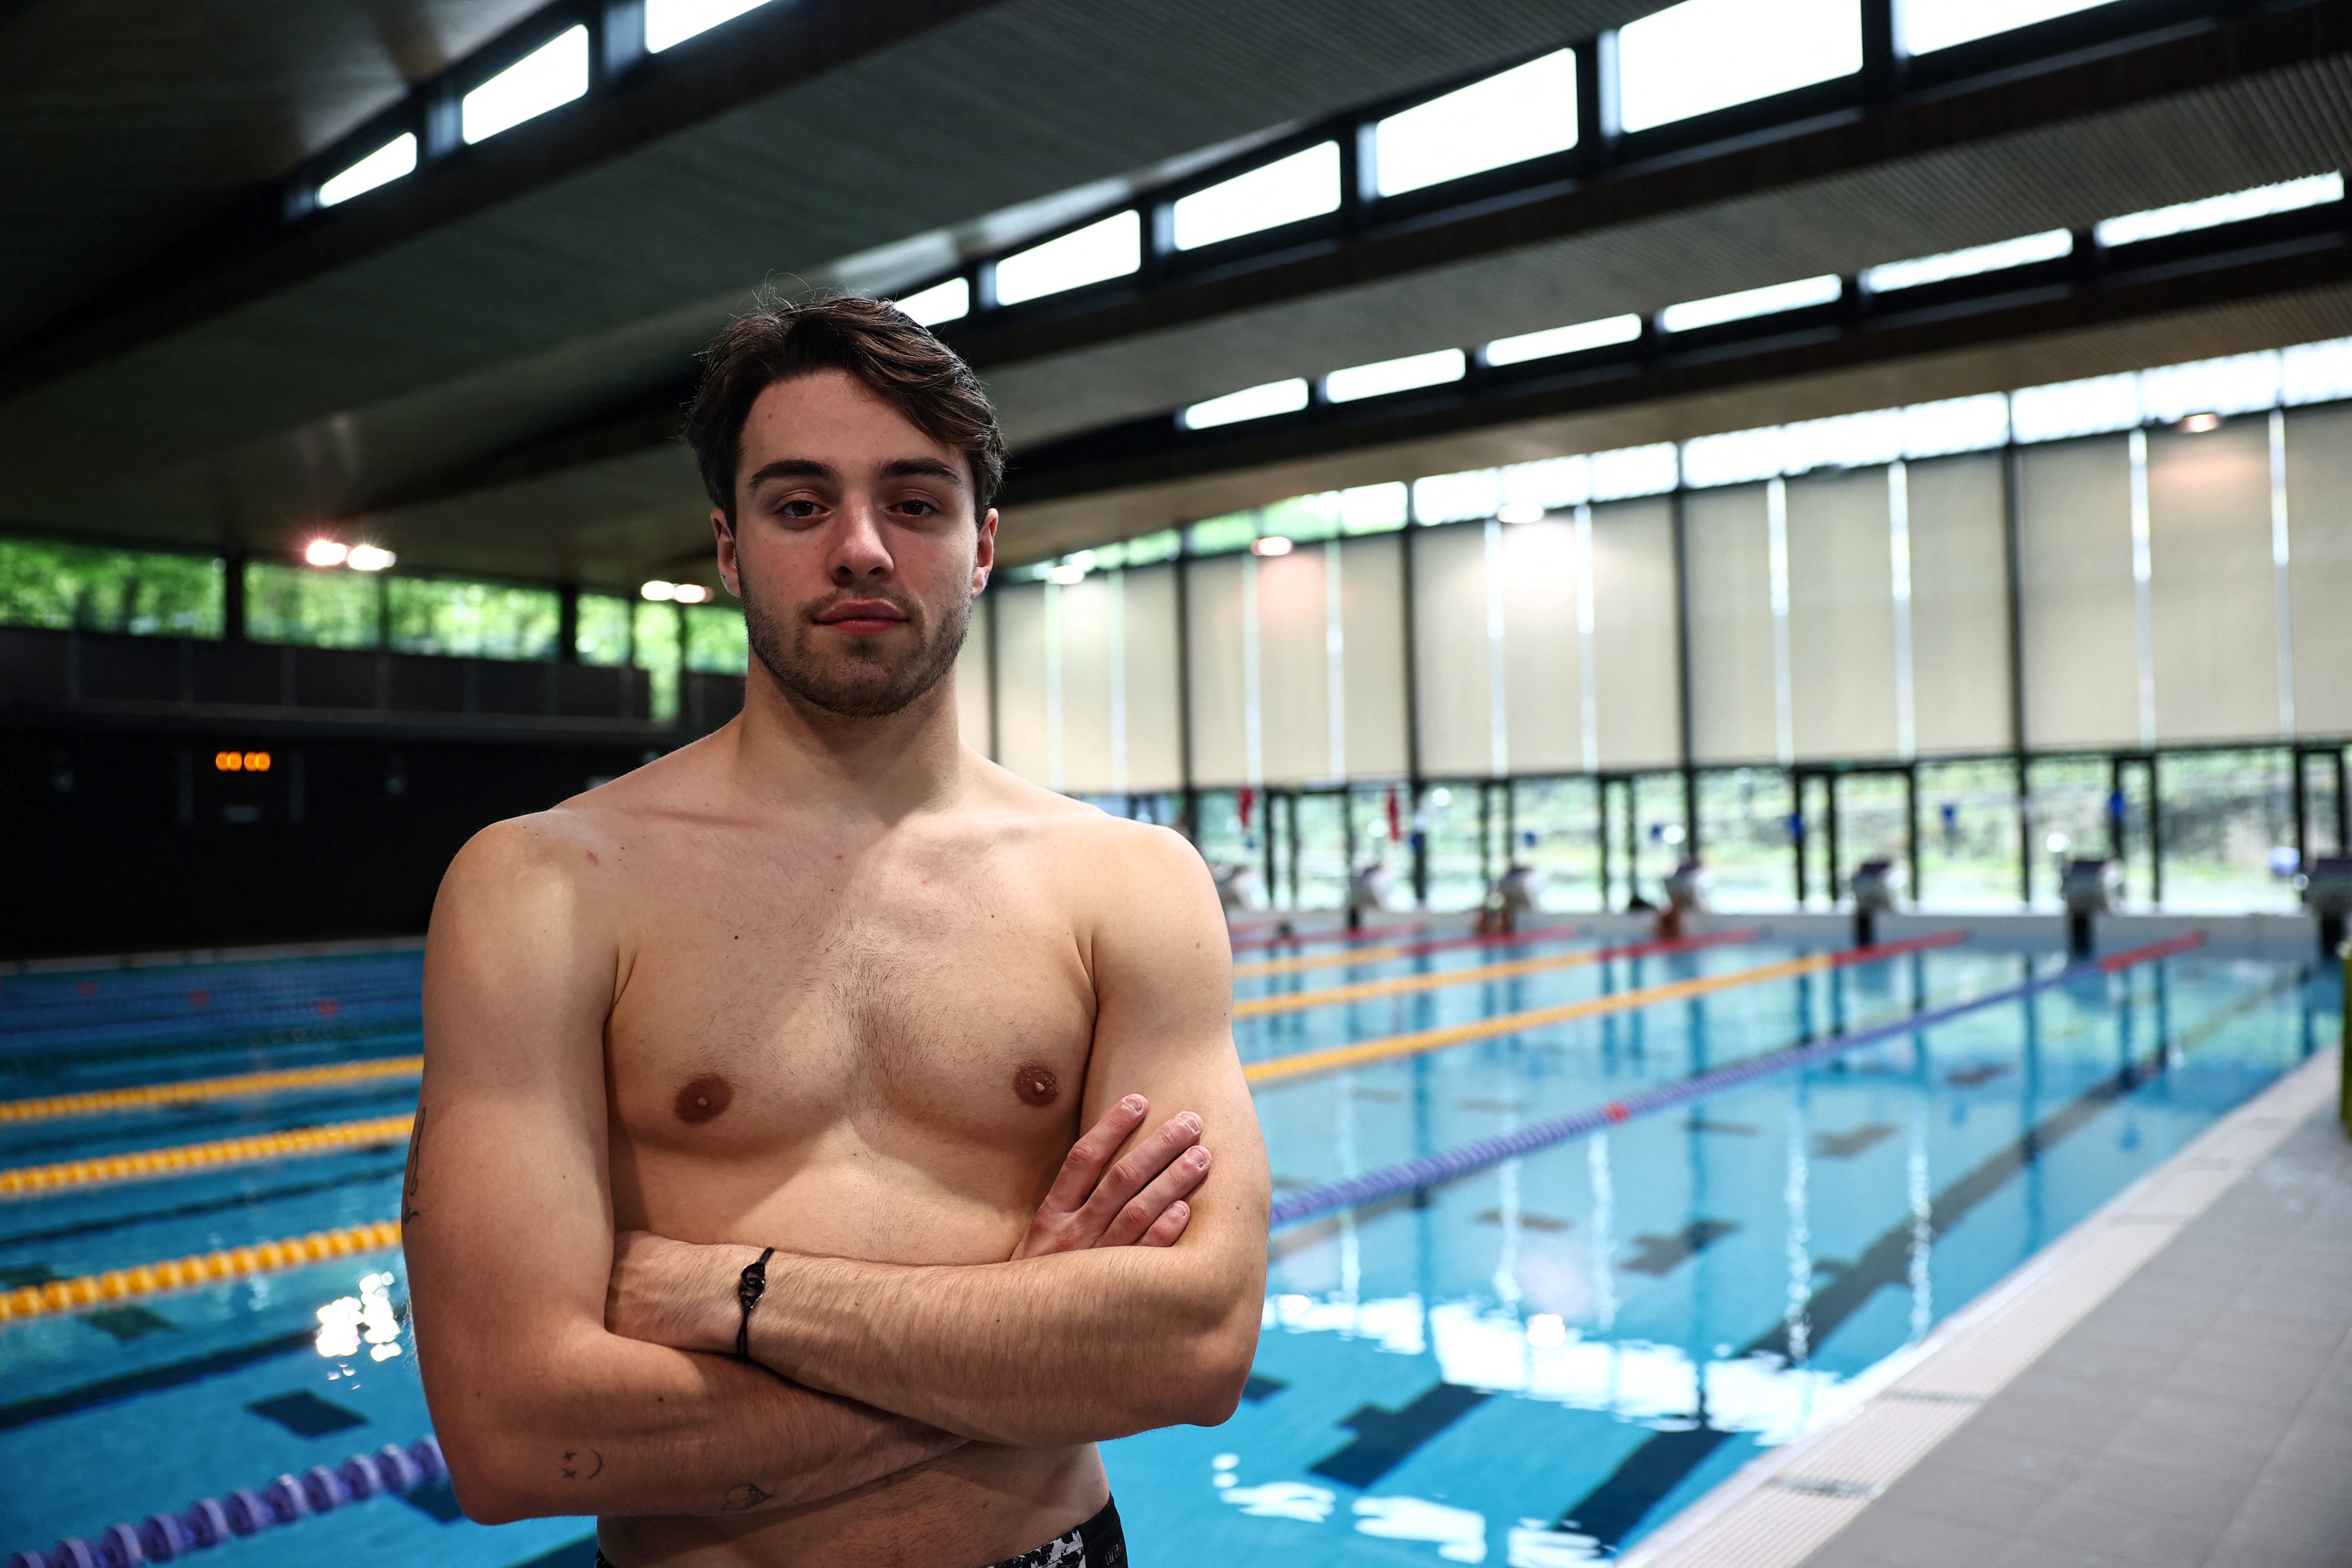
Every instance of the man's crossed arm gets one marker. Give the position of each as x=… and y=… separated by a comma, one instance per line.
x=543, y=1407
x=1068, y=1341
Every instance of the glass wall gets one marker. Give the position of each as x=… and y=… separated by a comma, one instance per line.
x=314, y=608
x=146, y=593
x=604, y=634
x=478, y=620
x=1557, y=824
x=2228, y=826
x=1743, y=835
x=1968, y=836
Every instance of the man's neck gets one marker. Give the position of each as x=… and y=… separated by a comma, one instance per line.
x=787, y=749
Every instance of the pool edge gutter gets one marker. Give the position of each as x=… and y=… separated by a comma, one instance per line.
x=1785, y=1505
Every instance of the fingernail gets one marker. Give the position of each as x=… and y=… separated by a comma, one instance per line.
x=1132, y=1102
x=1199, y=1158
x=1179, y=1209
x=1191, y=1123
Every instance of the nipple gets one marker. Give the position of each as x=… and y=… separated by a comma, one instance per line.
x=1035, y=1084
x=705, y=1097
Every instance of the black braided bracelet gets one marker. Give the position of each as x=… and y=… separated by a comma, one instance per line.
x=747, y=1291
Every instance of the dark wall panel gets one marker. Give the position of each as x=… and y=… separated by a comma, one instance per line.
x=123, y=840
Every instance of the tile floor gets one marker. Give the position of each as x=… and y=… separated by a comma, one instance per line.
x=2201, y=1418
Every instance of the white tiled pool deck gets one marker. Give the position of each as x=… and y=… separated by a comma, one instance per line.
x=2168, y=1387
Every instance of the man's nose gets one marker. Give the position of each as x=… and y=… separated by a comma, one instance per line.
x=859, y=550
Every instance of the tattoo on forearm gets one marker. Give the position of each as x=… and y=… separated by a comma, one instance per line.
x=572, y=1463
x=409, y=1209
x=743, y=1499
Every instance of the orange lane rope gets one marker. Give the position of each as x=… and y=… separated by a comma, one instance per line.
x=1382, y=953
x=28, y=1179
x=146, y=1096
x=203, y=1268
x=1421, y=1041
x=1405, y=984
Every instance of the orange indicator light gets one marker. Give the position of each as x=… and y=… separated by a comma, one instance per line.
x=241, y=762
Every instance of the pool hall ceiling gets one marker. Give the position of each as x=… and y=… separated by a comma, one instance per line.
x=480, y=364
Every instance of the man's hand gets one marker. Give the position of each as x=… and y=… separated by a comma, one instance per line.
x=680, y=1294
x=1138, y=1202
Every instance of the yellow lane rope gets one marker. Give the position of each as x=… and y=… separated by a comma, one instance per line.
x=241, y=1084
x=1422, y=1040
x=184, y=1157
x=1321, y=961
x=203, y=1268
x=1404, y=984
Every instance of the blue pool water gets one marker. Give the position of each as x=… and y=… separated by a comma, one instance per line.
x=1534, y=1364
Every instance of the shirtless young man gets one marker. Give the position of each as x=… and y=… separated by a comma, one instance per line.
x=828, y=982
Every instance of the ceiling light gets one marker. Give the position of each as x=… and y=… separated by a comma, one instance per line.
x=1289, y=190
x=2197, y=424
x=1519, y=512
x=690, y=593
x=1389, y=376
x=325, y=552
x=659, y=592
x=948, y=301
x=1272, y=544
x=1112, y=248
x=1250, y=403
x=2213, y=211
x=1770, y=299
x=386, y=164
x=1572, y=339
x=554, y=74
x=1520, y=113
x=672, y=22
x=2047, y=246
x=368, y=558
x=1068, y=574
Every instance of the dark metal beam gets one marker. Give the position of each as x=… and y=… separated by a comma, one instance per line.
x=264, y=241
x=2099, y=62
x=2096, y=62
x=2267, y=256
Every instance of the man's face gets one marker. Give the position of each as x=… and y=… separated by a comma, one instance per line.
x=854, y=548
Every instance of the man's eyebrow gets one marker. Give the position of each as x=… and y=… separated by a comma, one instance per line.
x=791, y=469
x=922, y=467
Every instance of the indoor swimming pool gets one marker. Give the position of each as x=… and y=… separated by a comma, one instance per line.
x=1566, y=1232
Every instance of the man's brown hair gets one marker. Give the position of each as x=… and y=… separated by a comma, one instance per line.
x=901, y=362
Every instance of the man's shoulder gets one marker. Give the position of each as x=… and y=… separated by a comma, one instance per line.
x=1061, y=824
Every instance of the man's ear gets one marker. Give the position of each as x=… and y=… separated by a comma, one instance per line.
x=730, y=568
x=983, y=557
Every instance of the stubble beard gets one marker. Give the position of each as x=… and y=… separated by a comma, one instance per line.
x=863, y=681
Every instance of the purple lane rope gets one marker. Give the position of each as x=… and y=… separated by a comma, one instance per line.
x=213, y=1522
x=1447, y=1165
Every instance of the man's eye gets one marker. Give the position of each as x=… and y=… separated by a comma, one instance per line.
x=916, y=506
x=798, y=509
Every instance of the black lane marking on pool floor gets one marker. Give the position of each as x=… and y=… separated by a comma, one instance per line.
x=1612, y=1511
x=180, y=1210
x=1662, y=1254
x=154, y=1380
x=1259, y=1388
x=1387, y=1439
x=305, y=1415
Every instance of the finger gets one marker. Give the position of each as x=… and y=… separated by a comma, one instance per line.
x=1082, y=1167
x=1167, y=1226
x=1142, y=1211
x=1133, y=1172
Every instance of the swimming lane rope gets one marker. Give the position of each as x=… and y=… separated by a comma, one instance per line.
x=215, y=1521
x=201, y=1268
x=147, y=1097
x=1450, y=1164
x=26, y=1180
x=1510, y=969
x=1381, y=955
x=1394, y=1046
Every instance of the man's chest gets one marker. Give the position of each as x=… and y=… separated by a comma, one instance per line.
x=892, y=1011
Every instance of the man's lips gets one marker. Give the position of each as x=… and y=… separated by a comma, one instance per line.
x=865, y=617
